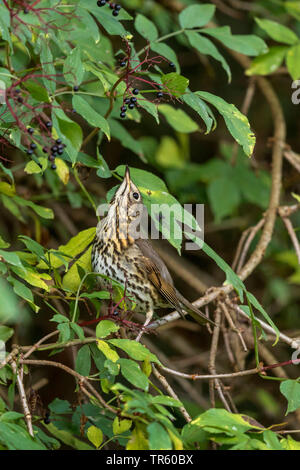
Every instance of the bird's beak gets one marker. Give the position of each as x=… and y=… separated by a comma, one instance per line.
x=127, y=176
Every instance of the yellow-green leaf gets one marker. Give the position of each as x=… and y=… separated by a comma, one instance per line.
x=62, y=170
x=95, y=436
x=34, y=278
x=7, y=189
x=121, y=425
x=72, y=279
x=107, y=350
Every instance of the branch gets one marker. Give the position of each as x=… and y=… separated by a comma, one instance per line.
x=23, y=398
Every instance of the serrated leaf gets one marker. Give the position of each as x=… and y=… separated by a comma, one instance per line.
x=247, y=44
x=145, y=27
x=174, y=83
x=196, y=15
x=237, y=124
x=277, y=31
x=205, y=46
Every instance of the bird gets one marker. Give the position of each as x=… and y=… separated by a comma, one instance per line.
x=120, y=253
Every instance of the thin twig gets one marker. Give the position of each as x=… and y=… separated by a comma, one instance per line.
x=23, y=398
x=171, y=392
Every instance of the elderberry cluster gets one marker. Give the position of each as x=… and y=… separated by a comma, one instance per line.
x=130, y=101
x=114, y=6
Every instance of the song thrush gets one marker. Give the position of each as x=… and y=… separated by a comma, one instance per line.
x=120, y=253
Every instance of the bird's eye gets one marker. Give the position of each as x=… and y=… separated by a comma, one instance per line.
x=135, y=196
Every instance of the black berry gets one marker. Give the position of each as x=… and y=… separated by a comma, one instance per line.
x=45, y=150
x=20, y=99
x=60, y=151
x=33, y=146
x=112, y=5
x=115, y=12
x=127, y=100
x=172, y=65
x=74, y=111
x=51, y=158
x=131, y=105
x=49, y=123
x=54, y=154
x=26, y=11
x=53, y=166
x=123, y=63
x=60, y=146
x=123, y=109
x=58, y=141
x=29, y=151
x=101, y=3
x=76, y=88
x=54, y=148
x=160, y=94
x=133, y=99
x=122, y=114
x=17, y=90
x=117, y=7
x=30, y=130
x=135, y=91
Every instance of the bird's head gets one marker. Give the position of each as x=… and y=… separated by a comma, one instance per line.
x=126, y=208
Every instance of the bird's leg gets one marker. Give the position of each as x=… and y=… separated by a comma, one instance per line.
x=149, y=315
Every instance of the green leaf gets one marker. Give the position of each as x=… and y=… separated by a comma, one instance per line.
x=165, y=51
x=24, y=292
x=46, y=59
x=145, y=27
x=196, y=15
x=277, y=31
x=150, y=107
x=293, y=61
x=131, y=371
x=166, y=401
x=223, y=206
x=64, y=332
x=178, y=119
x=293, y=8
x=3, y=243
x=18, y=438
x=121, y=425
x=105, y=328
x=174, y=83
x=198, y=105
x=135, y=350
x=73, y=69
x=44, y=212
x=159, y=438
x=91, y=115
x=291, y=390
x=237, y=124
x=269, y=62
x=83, y=360
x=5, y=333
x=107, y=350
x=68, y=438
x=119, y=132
x=247, y=44
x=12, y=258
x=5, y=24
x=37, y=92
x=205, y=46
x=32, y=246
x=95, y=436
x=289, y=443
x=33, y=277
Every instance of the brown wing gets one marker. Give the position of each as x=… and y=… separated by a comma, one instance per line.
x=158, y=274
x=160, y=277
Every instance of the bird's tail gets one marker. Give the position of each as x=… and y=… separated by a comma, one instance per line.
x=198, y=316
